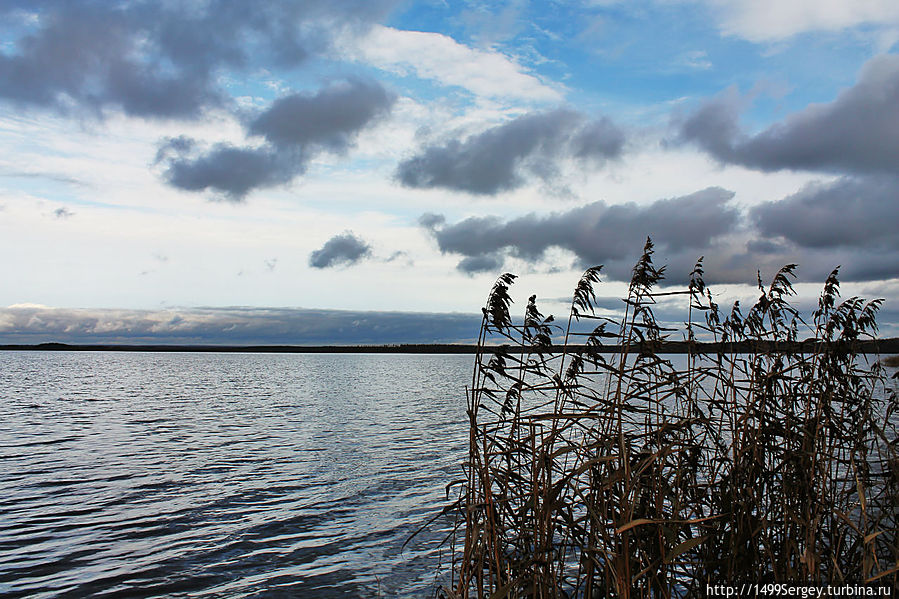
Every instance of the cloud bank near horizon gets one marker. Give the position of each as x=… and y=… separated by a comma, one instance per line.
x=232, y=326
x=33, y=325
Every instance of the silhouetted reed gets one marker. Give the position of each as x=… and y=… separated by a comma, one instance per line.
x=620, y=474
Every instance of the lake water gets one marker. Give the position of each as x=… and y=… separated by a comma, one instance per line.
x=225, y=475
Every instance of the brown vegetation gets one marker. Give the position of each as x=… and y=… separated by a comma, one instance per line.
x=622, y=475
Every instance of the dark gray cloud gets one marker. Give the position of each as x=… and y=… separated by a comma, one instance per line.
x=848, y=222
x=430, y=220
x=341, y=250
x=227, y=169
x=500, y=158
x=596, y=233
x=160, y=59
x=764, y=246
x=232, y=326
x=857, y=265
x=849, y=212
x=296, y=127
x=857, y=133
x=482, y=263
x=330, y=118
x=399, y=255
x=87, y=57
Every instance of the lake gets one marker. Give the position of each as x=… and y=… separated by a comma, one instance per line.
x=226, y=475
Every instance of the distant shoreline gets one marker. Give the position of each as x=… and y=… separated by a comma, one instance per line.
x=882, y=346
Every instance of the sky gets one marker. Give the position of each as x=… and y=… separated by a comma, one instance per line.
x=361, y=171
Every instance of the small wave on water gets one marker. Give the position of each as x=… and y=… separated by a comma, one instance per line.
x=225, y=475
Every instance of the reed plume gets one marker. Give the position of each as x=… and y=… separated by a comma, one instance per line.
x=596, y=473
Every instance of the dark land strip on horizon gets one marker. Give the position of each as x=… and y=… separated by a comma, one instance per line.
x=877, y=346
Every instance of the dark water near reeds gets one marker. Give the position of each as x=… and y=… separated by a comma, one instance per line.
x=225, y=475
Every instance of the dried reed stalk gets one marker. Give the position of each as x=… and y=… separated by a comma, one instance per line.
x=595, y=474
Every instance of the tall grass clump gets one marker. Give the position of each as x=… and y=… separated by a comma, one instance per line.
x=599, y=468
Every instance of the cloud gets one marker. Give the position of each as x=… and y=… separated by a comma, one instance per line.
x=89, y=58
x=46, y=176
x=31, y=324
x=482, y=263
x=442, y=59
x=297, y=127
x=850, y=212
x=771, y=20
x=341, y=250
x=694, y=60
x=227, y=169
x=495, y=22
x=499, y=158
x=848, y=222
x=160, y=59
x=682, y=228
x=431, y=221
x=398, y=255
x=736, y=265
x=329, y=119
x=856, y=133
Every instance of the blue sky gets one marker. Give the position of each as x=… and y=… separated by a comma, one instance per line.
x=182, y=170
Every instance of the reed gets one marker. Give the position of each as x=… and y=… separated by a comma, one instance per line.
x=595, y=474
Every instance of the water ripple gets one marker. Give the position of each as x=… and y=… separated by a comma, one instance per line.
x=225, y=475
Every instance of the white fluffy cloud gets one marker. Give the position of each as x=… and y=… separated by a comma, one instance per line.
x=440, y=58
x=771, y=20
